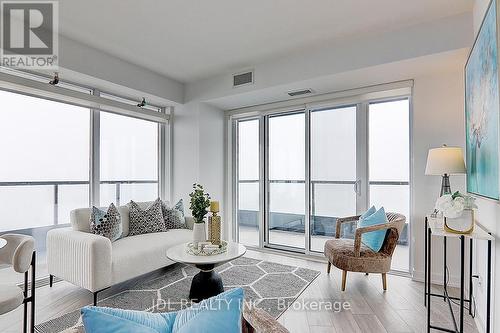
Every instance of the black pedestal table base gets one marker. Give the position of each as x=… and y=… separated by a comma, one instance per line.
x=205, y=284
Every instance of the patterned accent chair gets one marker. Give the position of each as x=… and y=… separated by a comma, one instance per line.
x=353, y=256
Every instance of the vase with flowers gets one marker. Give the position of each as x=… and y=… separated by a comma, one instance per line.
x=458, y=212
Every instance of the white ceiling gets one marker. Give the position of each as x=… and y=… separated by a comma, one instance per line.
x=188, y=40
x=435, y=64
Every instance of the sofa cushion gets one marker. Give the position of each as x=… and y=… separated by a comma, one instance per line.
x=144, y=221
x=79, y=218
x=137, y=255
x=174, y=216
x=106, y=223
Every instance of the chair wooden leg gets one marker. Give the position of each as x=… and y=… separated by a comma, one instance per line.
x=384, y=281
x=344, y=276
x=328, y=268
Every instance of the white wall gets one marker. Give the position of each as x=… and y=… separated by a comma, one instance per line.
x=488, y=215
x=438, y=118
x=198, y=152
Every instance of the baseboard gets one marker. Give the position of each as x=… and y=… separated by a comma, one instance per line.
x=454, y=280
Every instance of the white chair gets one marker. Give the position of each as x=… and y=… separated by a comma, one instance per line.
x=19, y=253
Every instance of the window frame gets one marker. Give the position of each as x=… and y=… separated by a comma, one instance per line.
x=362, y=98
x=11, y=80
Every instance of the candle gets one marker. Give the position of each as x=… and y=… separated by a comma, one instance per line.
x=214, y=206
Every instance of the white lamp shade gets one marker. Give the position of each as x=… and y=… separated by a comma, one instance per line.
x=449, y=160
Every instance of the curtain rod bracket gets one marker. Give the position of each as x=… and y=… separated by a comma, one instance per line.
x=55, y=80
x=142, y=103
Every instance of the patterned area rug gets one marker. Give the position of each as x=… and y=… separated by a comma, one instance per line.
x=270, y=286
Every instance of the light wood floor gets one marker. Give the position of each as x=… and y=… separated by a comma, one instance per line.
x=399, y=309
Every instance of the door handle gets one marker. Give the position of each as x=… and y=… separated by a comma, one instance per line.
x=357, y=187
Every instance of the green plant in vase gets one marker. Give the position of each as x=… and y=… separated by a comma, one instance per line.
x=199, y=203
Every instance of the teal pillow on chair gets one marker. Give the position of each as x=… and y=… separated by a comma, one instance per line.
x=374, y=239
x=221, y=313
x=368, y=212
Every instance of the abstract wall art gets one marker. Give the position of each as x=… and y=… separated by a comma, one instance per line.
x=482, y=110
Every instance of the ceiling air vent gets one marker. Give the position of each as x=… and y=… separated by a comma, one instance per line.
x=242, y=79
x=300, y=92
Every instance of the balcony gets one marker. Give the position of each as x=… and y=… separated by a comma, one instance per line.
x=329, y=200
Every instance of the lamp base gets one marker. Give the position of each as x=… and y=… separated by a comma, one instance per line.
x=445, y=185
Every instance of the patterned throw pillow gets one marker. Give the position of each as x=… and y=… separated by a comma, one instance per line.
x=144, y=221
x=174, y=216
x=107, y=224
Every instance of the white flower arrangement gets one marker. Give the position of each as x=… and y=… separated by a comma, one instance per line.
x=453, y=205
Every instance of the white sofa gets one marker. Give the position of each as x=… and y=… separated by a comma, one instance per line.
x=94, y=263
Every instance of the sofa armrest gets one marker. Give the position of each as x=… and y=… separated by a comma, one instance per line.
x=258, y=320
x=81, y=258
x=189, y=222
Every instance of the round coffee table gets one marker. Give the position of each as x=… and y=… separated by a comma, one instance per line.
x=207, y=282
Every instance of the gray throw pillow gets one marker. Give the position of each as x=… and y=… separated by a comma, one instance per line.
x=144, y=221
x=106, y=223
x=174, y=216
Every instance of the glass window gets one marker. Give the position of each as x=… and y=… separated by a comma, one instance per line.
x=45, y=164
x=248, y=182
x=129, y=159
x=389, y=136
x=389, y=168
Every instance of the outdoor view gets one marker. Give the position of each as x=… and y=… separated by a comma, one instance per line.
x=44, y=172
x=333, y=165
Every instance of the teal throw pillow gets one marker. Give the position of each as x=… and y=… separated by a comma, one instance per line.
x=374, y=239
x=221, y=313
x=368, y=212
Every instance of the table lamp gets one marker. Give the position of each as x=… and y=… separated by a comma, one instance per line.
x=445, y=161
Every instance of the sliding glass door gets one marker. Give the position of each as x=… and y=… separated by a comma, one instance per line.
x=333, y=171
x=286, y=180
x=389, y=171
x=298, y=171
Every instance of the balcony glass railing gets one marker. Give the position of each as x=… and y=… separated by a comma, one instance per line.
x=35, y=204
x=322, y=223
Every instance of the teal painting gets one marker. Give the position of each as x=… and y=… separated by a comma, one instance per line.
x=482, y=110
